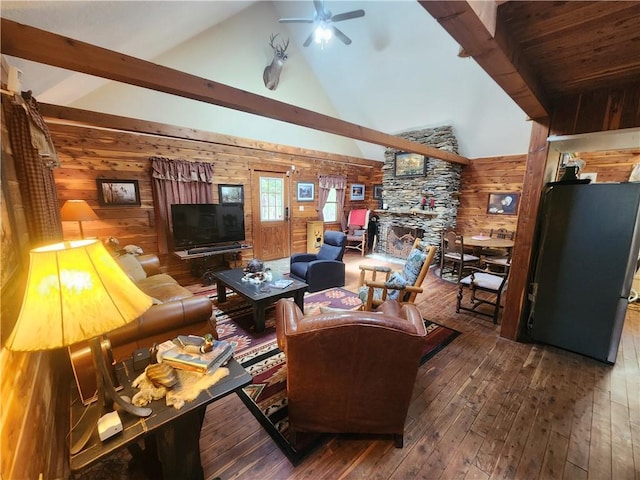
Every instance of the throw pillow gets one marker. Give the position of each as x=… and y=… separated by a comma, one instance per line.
x=131, y=267
x=396, y=279
x=414, y=264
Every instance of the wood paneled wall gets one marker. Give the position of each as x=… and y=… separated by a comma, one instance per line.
x=33, y=385
x=87, y=153
x=482, y=177
x=613, y=166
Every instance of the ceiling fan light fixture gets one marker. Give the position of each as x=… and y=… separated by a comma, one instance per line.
x=323, y=34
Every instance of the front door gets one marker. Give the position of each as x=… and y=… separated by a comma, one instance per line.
x=271, y=215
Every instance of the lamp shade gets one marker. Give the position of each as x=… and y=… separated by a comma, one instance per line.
x=77, y=211
x=75, y=291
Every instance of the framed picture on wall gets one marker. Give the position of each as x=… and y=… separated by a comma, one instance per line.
x=118, y=193
x=410, y=165
x=357, y=191
x=377, y=192
x=231, y=193
x=503, y=203
x=305, y=192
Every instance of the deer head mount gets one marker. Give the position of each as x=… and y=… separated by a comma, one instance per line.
x=271, y=74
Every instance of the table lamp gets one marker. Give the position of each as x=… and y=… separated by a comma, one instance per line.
x=76, y=292
x=77, y=211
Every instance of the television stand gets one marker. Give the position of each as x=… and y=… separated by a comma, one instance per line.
x=204, y=260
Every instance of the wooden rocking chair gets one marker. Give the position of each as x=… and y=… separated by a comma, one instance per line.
x=384, y=283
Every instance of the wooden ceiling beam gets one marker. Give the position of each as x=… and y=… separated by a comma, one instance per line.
x=57, y=114
x=37, y=45
x=498, y=55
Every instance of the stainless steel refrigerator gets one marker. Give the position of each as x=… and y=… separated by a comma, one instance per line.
x=586, y=256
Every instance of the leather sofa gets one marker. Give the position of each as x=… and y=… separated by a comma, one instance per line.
x=175, y=311
x=350, y=372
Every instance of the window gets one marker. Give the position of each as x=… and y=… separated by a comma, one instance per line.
x=271, y=199
x=331, y=207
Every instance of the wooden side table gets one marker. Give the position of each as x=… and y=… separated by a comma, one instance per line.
x=171, y=436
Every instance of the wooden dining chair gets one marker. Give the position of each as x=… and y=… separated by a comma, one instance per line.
x=502, y=233
x=452, y=252
x=498, y=258
x=491, y=284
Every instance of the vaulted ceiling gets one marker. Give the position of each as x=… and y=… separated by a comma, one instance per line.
x=400, y=72
x=541, y=51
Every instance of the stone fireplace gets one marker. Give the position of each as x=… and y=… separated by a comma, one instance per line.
x=404, y=217
x=399, y=240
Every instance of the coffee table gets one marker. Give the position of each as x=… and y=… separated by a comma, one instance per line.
x=259, y=295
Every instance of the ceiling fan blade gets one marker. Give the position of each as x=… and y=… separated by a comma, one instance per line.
x=346, y=40
x=347, y=15
x=296, y=20
x=319, y=4
x=307, y=42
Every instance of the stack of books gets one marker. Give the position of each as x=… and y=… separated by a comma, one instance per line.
x=172, y=354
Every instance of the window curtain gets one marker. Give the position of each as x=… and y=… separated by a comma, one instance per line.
x=177, y=181
x=35, y=158
x=325, y=184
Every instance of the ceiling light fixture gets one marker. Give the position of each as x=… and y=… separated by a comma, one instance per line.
x=323, y=34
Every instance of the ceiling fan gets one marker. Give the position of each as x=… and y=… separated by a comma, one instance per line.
x=325, y=23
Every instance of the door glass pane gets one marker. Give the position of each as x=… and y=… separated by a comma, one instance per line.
x=271, y=199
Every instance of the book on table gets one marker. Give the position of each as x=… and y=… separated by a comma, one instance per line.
x=172, y=354
x=282, y=283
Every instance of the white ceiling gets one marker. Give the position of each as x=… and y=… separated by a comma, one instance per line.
x=400, y=73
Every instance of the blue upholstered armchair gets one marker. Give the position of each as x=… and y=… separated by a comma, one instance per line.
x=324, y=269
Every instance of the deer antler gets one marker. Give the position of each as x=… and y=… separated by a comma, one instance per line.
x=285, y=45
x=273, y=37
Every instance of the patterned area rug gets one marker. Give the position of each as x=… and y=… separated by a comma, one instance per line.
x=266, y=398
x=260, y=356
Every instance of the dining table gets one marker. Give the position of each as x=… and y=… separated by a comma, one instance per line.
x=479, y=242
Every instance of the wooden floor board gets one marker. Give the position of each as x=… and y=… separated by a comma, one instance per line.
x=484, y=407
x=553, y=463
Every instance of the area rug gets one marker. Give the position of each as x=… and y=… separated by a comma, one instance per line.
x=260, y=356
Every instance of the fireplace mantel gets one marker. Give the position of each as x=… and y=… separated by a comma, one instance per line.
x=407, y=211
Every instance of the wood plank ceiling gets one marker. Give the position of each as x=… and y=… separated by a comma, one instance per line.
x=539, y=52
x=577, y=46
x=536, y=51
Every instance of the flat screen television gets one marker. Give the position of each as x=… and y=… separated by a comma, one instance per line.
x=206, y=224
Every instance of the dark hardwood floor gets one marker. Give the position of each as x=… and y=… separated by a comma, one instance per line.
x=483, y=408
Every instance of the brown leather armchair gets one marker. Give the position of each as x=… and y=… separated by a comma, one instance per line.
x=350, y=372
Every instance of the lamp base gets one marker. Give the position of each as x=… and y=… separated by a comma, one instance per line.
x=105, y=390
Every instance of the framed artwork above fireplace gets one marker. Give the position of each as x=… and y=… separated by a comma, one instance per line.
x=410, y=165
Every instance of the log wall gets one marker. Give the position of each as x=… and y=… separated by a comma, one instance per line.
x=87, y=153
x=32, y=384
x=482, y=177
x=613, y=166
